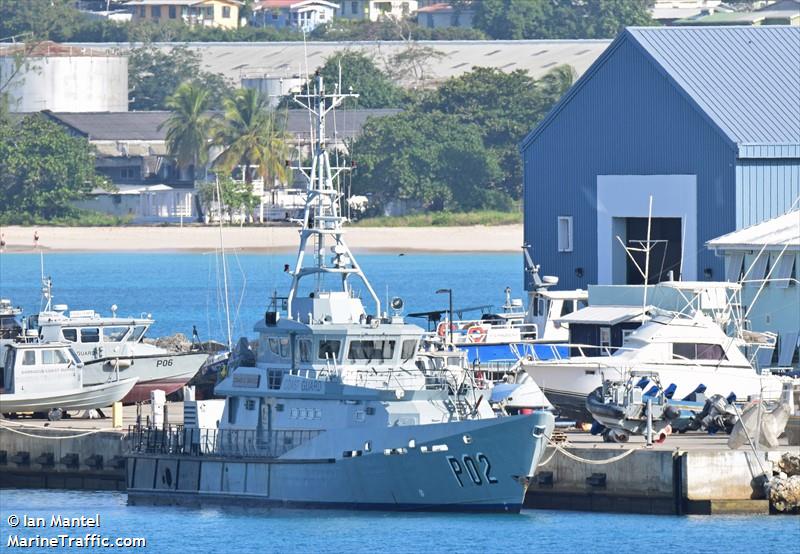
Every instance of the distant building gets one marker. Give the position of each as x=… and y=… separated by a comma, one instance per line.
x=766, y=258
x=58, y=77
x=668, y=11
x=783, y=12
x=274, y=61
x=443, y=14
x=131, y=151
x=209, y=13
x=303, y=15
x=705, y=121
x=373, y=10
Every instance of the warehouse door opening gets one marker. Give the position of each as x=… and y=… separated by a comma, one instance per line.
x=665, y=249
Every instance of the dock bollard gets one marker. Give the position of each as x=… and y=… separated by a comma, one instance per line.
x=116, y=415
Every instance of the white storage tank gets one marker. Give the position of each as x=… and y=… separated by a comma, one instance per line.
x=65, y=78
x=272, y=86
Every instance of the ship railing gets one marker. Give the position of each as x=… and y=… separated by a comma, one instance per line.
x=193, y=441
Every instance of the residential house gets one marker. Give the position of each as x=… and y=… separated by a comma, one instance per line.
x=443, y=14
x=210, y=13
x=373, y=10
x=304, y=15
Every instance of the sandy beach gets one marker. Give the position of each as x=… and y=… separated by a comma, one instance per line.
x=505, y=238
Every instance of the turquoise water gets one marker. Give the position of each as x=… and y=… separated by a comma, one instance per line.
x=181, y=290
x=183, y=530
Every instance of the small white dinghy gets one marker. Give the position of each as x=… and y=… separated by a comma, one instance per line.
x=48, y=377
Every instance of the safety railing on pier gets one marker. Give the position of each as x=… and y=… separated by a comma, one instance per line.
x=188, y=441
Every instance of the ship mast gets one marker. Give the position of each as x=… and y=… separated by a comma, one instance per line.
x=322, y=222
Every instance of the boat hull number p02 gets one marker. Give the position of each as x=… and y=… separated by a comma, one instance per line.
x=477, y=470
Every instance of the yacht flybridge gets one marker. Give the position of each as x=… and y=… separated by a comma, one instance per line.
x=337, y=411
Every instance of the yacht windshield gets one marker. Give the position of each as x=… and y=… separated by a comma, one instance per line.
x=137, y=333
x=114, y=334
x=74, y=356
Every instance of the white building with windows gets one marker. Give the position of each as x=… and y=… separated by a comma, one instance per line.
x=304, y=15
x=373, y=10
x=766, y=259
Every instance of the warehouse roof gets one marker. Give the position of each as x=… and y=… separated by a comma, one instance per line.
x=777, y=232
x=236, y=60
x=145, y=125
x=745, y=80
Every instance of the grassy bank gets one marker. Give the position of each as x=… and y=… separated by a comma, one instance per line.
x=444, y=219
x=80, y=218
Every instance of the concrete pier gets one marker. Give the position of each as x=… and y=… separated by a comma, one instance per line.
x=688, y=474
x=75, y=453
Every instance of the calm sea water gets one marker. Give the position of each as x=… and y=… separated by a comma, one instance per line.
x=183, y=530
x=181, y=290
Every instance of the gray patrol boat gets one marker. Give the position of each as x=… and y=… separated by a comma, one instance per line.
x=339, y=409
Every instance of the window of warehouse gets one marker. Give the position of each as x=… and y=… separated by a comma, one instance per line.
x=565, y=233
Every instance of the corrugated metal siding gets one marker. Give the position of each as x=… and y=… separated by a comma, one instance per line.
x=747, y=79
x=765, y=189
x=627, y=119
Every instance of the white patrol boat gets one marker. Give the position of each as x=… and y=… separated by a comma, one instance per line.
x=112, y=348
x=336, y=413
x=48, y=378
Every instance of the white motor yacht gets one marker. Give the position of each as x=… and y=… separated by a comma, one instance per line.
x=685, y=350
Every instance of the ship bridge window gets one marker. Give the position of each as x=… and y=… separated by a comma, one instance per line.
x=114, y=334
x=274, y=346
x=409, y=349
x=137, y=333
x=698, y=351
x=285, y=347
x=70, y=334
x=53, y=357
x=567, y=307
x=329, y=349
x=371, y=350
x=90, y=334
x=304, y=346
x=29, y=358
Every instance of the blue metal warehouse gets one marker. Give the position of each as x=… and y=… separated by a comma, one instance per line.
x=706, y=120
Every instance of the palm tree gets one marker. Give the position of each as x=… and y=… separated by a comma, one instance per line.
x=189, y=126
x=250, y=135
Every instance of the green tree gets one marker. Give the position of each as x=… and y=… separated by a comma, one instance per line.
x=504, y=107
x=237, y=196
x=155, y=74
x=251, y=135
x=559, y=19
x=189, y=126
x=430, y=161
x=43, y=170
x=361, y=75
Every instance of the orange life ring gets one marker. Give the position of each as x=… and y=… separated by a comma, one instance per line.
x=441, y=329
x=476, y=333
